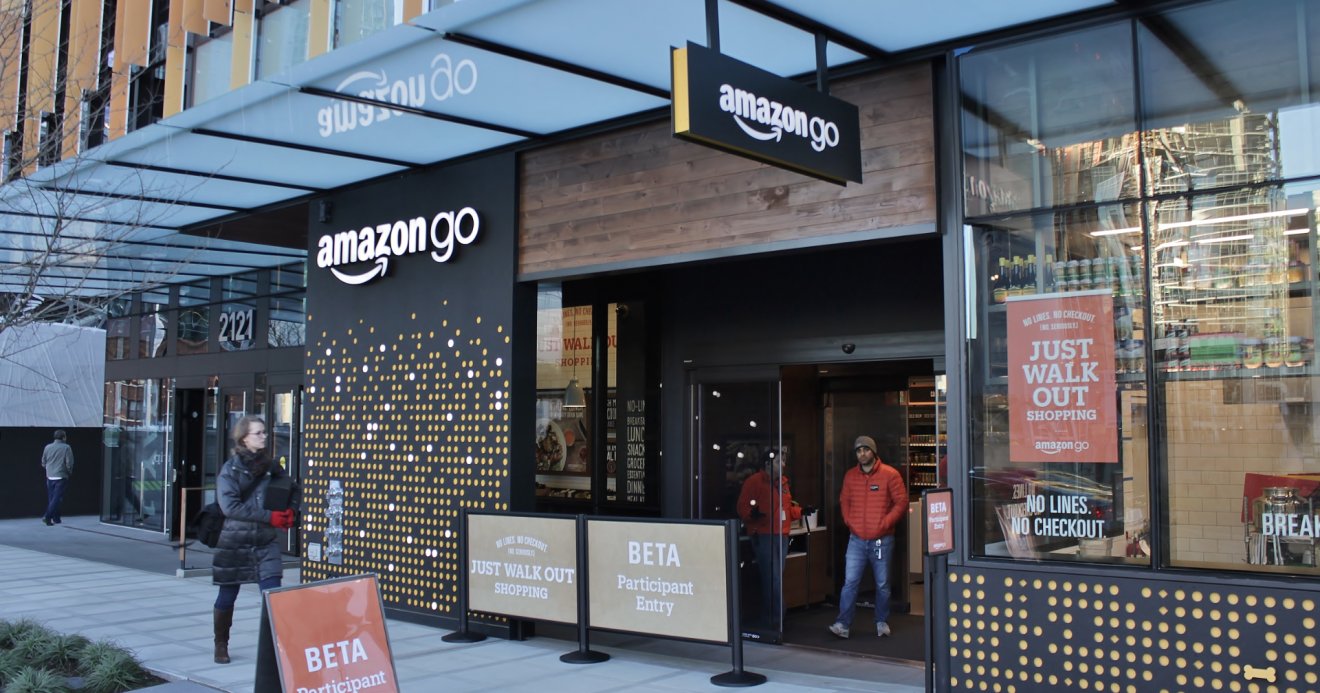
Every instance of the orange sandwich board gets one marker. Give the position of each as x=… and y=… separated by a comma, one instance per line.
x=331, y=636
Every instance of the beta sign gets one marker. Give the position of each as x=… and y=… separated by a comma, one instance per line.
x=1061, y=378
x=330, y=637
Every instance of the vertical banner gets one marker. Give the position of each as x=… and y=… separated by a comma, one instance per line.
x=1061, y=378
x=330, y=636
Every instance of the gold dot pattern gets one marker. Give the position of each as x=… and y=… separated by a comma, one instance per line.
x=1106, y=634
x=414, y=424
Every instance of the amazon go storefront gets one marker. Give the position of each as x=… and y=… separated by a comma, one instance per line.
x=1117, y=289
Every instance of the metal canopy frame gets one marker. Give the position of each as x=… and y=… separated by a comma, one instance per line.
x=536, y=71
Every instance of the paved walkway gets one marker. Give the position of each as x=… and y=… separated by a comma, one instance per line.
x=130, y=595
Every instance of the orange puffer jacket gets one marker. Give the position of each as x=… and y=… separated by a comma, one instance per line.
x=759, y=488
x=873, y=504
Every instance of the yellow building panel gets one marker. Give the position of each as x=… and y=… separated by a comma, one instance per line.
x=193, y=21
x=218, y=11
x=11, y=26
x=176, y=61
x=413, y=8
x=241, y=58
x=318, y=29
x=43, y=54
x=134, y=48
x=84, y=62
x=118, y=117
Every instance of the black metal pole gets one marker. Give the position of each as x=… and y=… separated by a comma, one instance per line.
x=822, y=64
x=463, y=634
x=583, y=654
x=713, y=25
x=937, y=589
x=738, y=678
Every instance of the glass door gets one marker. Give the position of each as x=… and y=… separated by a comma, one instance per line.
x=740, y=457
x=285, y=422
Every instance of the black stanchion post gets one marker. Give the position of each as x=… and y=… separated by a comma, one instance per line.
x=937, y=590
x=463, y=634
x=583, y=654
x=738, y=678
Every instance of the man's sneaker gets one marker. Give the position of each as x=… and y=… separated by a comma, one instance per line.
x=839, y=629
x=881, y=629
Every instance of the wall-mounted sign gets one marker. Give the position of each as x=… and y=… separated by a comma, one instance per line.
x=440, y=236
x=331, y=636
x=236, y=328
x=658, y=577
x=937, y=512
x=730, y=105
x=1061, y=378
x=520, y=566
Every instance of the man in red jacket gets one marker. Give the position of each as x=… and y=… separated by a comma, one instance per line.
x=767, y=510
x=873, y=500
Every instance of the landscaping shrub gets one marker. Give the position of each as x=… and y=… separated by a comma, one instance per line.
x=36, y=659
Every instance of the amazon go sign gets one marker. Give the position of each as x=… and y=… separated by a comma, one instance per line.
x=439, y=235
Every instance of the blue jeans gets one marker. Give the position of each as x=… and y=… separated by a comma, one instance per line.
x=54, y=495
x=771, y=551
x=860, y=553
x=224, y=601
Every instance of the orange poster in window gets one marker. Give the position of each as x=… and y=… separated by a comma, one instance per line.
x=330, y=636
x=1061, y=378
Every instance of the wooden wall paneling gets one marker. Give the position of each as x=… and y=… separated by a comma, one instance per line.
x=319, y=36
x=176, y=61
x=243, y=55
x=42, y=61
x=194, y=19
x=11, y=41
x=136, y=45
x=413, y=9
x=117, y=118
x=219, y=11
x=84, y=62
x=639, y=194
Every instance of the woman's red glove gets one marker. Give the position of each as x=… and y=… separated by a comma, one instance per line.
x=282, y=519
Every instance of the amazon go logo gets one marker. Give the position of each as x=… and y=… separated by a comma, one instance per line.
x=440, y=235
x=749, y=111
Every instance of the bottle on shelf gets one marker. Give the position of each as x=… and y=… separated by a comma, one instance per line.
x=1048, y=270
x=1016, y=281
x=999, y=283
x=1029, y=285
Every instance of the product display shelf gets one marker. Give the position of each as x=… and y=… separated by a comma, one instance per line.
x=927, y=437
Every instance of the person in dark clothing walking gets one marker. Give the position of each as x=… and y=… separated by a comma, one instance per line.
x=248, y=551
x=57, y=459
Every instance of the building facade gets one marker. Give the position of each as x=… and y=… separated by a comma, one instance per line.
x=1076, y=285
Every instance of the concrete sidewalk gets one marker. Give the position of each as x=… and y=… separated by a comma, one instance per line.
x=166, y=621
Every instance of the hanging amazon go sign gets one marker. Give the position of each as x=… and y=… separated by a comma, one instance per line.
x=729, y=105
x=1061, y=378
x=439, y=236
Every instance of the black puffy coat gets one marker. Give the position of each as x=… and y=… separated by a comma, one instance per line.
x=249, y=547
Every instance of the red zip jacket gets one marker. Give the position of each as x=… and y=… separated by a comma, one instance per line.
x=759, y=488
x=873, y=504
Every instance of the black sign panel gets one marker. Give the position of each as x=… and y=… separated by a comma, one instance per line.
x=726, y=104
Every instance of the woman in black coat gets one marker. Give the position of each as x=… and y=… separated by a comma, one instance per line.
x=249, y=549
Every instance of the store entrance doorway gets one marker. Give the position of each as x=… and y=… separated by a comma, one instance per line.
x=791, y=429
x=189, y=455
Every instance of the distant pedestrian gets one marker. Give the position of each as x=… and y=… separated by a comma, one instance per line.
x=873, y=500
x=249, y=549
x=57, y=459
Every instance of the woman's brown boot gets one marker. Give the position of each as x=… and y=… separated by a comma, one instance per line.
x=223, y=620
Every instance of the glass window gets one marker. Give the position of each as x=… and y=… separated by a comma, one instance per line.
x=287, y=324
x=1233, y=307
x=1060, y=451
x=1225, y=96
x=283, y=41
x=1042, y=121
x=211, y=68
x=238, y=311
x=138, y=416
x=358, y=19
x=118, y=329
x=288, y=278
x=194, y=323
x=152, y=323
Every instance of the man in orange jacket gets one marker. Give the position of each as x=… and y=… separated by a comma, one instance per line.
x=767, y=511
x=873, y=500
